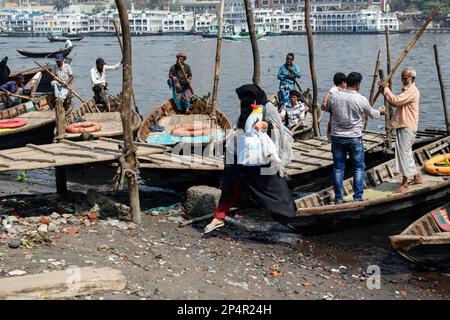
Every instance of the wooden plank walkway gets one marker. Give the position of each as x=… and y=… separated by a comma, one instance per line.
x=67, y=153
x=309, y=155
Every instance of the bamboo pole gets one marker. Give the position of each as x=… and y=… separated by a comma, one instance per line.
x=60, y=172
x=386, y=117
x=441, y=83
x=312, y=66
x=389, y=109
x=126, y=114
x=15, y=95
x=116, y=27
x=251, y=30
x=58, y=79
x=409, y=47
x=218, y=53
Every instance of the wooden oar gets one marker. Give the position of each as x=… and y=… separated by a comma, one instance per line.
x=58, y=79
x=185, y=76
x=121, y=49
x=16, y=95
x=409, y=47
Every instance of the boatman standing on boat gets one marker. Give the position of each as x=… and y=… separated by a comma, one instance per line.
x=287, y=74
x=64, y=72
x=180, y=76
x=347, y=110
x=14, y=86
x=99, y=83
x=405, y=121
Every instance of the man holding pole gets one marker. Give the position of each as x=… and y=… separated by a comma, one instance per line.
x=14, y=86
x=405, y=121
x=64, y=72
x=180, y=76
x=287, y=74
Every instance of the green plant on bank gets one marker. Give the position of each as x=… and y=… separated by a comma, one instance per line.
x=21, y=177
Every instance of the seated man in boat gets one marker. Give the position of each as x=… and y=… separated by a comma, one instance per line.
x=15, y=87
x=99, y=83
x=180, y=76
x=347, y=110
x=287, y=74
x=293, y=113
x=64, y=72
x=340, y=83
x=405, y=121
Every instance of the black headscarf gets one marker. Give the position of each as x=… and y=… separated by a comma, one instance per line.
x=4, y=71
x=249, y=94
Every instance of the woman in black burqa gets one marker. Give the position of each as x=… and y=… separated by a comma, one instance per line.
x=267, y=188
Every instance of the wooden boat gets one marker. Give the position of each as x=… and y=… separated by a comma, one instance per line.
x=64, y=39
x=427, y=240
x=166, y=116
x=45, y=54
x=40, y=123
x=111, y=122
x=318, y=213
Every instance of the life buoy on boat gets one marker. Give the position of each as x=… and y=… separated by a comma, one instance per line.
x=189, y=131
x=439, y=165
x=12, y=123
x=83, y=127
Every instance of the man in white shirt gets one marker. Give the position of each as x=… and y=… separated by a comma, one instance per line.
x=64, y=72
x=99, y=83
x=294, y=112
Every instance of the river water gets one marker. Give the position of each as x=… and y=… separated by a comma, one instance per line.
x=153, y=56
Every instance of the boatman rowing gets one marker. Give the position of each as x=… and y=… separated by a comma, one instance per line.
x=180, y=76
x=63, y=71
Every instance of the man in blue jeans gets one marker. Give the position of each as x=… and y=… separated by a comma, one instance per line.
x=347, y=109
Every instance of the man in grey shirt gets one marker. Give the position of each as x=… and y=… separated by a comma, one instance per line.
x=347, y=109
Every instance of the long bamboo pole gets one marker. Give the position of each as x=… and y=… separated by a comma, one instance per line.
x=126, y=114
x=251, y=29
x=116, y=27
x=389, y=110
x=312, y=66
x=386, y=118
x=15, y=95
x=409, y=47
x=441, y=83
x=218, y=53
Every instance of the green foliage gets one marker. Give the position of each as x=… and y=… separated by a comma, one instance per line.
x=21, y=177
x=59, y=5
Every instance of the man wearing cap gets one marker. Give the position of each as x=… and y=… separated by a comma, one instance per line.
x=180, y=76
x=64, y=72
x=99, y=83
x=14, y=86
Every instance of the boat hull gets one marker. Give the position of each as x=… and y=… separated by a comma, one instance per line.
x=63, y=39
x=49, y=54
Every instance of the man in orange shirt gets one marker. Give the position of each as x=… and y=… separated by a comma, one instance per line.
x=405, y=121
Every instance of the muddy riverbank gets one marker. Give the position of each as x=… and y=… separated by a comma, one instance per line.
x=162, y=261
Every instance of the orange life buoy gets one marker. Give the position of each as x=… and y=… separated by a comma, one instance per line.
x=433, y=165
x=12, y=123
x=189, y=131
x=84, y=127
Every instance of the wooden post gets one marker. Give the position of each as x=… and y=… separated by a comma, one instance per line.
x=251, y=30
x=60, y=172
x=126, y=114
x=218, y=52
x=441, y=83
x=386, y=118
x=409, y=47
x=389, y=109
x=312, y=66
x=121, y=50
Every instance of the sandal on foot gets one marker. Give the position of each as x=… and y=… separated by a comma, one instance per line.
x=210, y=227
